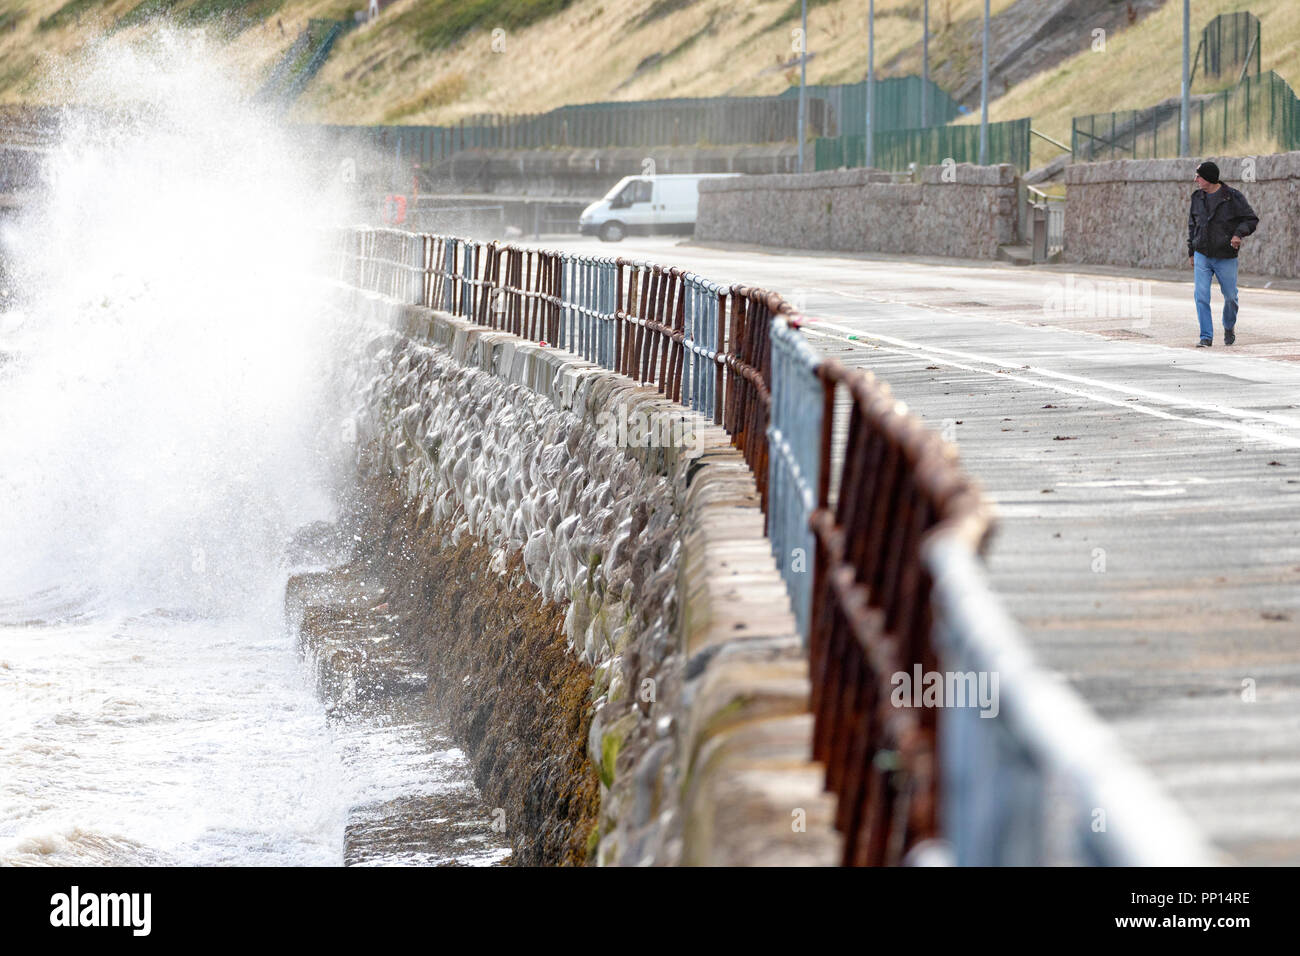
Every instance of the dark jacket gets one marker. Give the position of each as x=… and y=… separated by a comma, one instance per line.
x=1209, y=233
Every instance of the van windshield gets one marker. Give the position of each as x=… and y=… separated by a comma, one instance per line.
x=638, y=190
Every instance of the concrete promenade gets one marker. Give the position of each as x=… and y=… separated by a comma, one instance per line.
x=1148, y=492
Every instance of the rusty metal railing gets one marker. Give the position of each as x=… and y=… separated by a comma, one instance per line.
x=871, y=614
x=876, y=531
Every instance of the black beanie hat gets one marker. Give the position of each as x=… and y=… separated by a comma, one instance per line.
x=1208, y=171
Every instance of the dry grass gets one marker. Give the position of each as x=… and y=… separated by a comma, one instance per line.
x=38, y=65
x=1253, y=146
x=598, y=50
x=592, y=50
x=449, y=88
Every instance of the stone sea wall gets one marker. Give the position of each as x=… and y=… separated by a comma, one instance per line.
x=644, y=551
x=959, y=210
x=1134, y=212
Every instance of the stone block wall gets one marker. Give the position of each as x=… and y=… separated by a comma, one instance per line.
x=655, y=552
x=1134, y=212
x=965, y=211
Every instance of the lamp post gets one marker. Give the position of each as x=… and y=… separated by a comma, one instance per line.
x=1185, y=112
x=984, y=93
x=925, y=65
x=869, y=138
x=803, y=77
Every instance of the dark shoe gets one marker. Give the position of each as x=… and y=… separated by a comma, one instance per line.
x=1204, y=343
x=1229, y=336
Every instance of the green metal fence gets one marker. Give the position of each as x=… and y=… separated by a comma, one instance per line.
x=897, y=102
x=714, y=120
x=1262, y=107
x=672, y=122
x=895, y=150
x=721, y=120
x=1229, y=48
x=302, y=61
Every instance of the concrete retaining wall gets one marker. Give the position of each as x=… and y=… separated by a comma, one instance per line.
x=1134, y=212
x=969, y=216
x=655, y=551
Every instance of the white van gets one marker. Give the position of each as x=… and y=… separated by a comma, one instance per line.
x=646, y=205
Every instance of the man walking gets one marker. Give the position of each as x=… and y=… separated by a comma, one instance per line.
x=1219, y=220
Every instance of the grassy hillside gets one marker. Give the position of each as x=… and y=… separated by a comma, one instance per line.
x=434, y=60
x=602, y=49
x=1142, y=66
x=39, y=39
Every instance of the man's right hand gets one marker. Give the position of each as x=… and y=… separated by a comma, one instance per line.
x=1191, y=261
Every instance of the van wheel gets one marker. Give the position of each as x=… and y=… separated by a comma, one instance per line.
x=612, y=232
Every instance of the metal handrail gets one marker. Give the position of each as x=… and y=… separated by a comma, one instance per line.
x=1054, y=142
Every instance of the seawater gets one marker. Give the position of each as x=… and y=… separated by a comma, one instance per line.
x=169, y=415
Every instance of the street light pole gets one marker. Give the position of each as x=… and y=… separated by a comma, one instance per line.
x=925, y=65
x=803, y=77
x=984, y=93
x=1185, y=113
x=869, y=138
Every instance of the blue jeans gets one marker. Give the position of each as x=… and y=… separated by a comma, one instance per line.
x=1226, y=271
